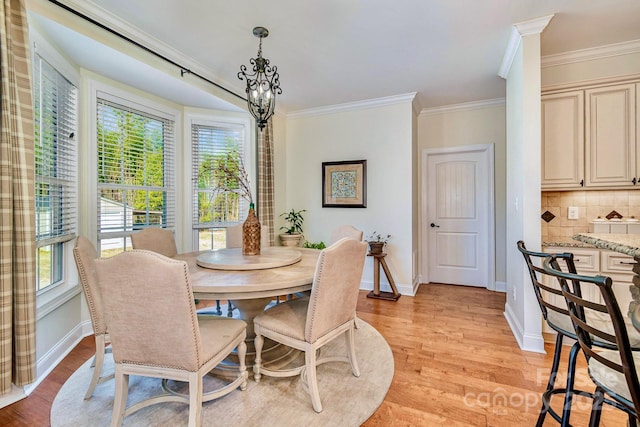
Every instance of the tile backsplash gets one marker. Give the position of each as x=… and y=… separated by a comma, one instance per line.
x=591, y=204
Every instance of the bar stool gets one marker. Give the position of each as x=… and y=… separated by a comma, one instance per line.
x=556, y=315
x=613, y=370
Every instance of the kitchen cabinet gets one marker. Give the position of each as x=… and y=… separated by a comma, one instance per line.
x=592, y=262
x=589, y=138
x=563, y=140
x=610, y=139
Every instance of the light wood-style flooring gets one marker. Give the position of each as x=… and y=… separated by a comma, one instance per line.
x=456, y=364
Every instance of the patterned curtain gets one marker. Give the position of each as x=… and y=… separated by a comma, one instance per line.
x=17, y=214
x=265, y=178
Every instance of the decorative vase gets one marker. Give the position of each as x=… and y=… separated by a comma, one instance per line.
x=251, y=233
x=375, y=248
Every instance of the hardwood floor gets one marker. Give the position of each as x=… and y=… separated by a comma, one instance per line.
x=456, y=364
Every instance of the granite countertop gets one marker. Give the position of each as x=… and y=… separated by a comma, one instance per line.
x=628, y=244
x=566, y=242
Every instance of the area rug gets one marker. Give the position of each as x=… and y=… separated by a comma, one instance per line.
x=346, y=400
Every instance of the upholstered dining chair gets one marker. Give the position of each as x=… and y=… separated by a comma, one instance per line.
x=85, y=254
x=345, y=231
x=163, y=338
x=155, y=239
x=350, y=232
x=307, y=324
x=612, y=370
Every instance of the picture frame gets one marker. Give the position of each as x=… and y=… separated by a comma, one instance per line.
x=344, y=184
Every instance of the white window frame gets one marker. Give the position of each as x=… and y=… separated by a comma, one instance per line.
x=98, y=89
x=217, y=119
x=52, y=297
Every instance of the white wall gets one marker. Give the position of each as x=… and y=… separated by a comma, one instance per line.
x=523, y=190
x=379, y=134
x=472, y=124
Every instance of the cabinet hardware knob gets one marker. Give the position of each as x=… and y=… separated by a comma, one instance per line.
x=627, y=263
x=582, y=183
x=633, y=181
x=433, y=225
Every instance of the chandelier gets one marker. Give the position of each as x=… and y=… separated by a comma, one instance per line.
x=262, y=84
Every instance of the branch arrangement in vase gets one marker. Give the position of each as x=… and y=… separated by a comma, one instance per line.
x=230, y=175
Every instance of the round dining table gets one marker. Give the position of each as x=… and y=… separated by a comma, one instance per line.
x=252, y=285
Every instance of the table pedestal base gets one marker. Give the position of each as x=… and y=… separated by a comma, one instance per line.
x=274, y=355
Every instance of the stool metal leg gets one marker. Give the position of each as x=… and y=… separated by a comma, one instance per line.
x=596, y=409
x=552, y=379
x=568, y=397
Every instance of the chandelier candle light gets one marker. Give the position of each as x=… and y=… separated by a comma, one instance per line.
x=262, y=85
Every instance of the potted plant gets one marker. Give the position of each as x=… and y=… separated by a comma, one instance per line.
x=314, y=245
x=293, y=232
x=377, y=242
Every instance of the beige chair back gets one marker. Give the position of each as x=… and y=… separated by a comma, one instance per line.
x=85, y=255
x=348, y=231
x=234, y=236
x=155, y=239
x=334, y=292
x=150, y=310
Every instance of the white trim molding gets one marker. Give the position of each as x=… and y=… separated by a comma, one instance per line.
x=616, y=49
x=353, y=106
x=521, y=29
x=474, y=105
x=526, y=342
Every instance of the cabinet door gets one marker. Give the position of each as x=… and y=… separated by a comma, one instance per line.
x=563, y=140
x=610, y=146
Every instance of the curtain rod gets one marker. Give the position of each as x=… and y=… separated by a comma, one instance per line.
x=183, y=70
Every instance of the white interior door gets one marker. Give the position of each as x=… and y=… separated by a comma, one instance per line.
x=459, y=221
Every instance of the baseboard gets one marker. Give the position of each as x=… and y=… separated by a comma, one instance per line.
x=403, y=289
x=527, y=342
x=16, y=393
x=58, y=352
x=501, y=286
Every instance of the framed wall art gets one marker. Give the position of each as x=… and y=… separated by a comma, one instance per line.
x=344, y=184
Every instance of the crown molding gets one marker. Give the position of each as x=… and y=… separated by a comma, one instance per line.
x=123, y=27
x=475, y=105
x=353, y=106
x=616, y=49
x=519, y=30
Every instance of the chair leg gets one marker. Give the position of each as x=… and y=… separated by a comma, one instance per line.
x=258, y=342
x=242, y=354
x=218, y=308
x=568, y=397
x=312, y=379
x=120, y=400
x=195, y=399
x=552, y=377
x=98, y=361
x=596, y=409
x=351, y=350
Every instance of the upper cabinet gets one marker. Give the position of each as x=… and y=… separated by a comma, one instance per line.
x=563, y=140
x=589, y=138
x=610, y=140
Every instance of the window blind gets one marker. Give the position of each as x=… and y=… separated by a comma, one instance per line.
x=136, y=167
x=210, y=143
x=55, y=101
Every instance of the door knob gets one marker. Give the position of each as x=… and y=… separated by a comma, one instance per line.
x=433, y=225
